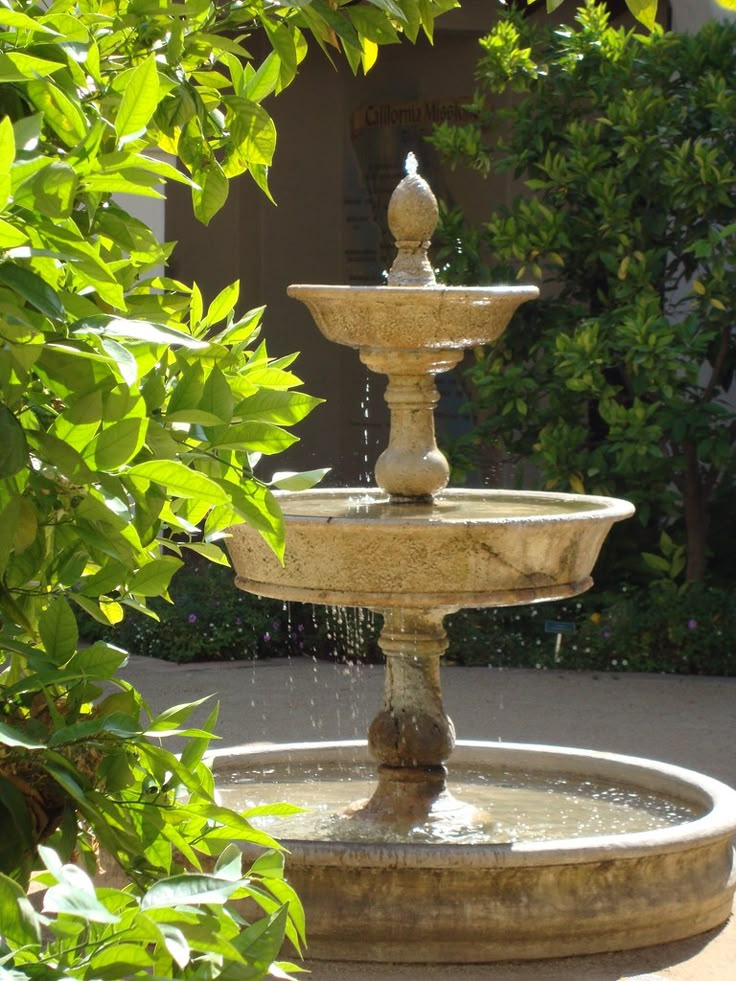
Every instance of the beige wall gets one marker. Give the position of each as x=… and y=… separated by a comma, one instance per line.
x=690, y=15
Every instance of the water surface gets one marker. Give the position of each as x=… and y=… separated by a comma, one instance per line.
x=520, y=807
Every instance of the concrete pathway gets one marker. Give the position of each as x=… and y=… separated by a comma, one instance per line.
x=688, y=721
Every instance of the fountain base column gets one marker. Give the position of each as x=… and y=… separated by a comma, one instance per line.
x=412, y=729
x=412, y=736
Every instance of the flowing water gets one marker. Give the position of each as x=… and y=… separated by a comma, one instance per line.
x=519, y=807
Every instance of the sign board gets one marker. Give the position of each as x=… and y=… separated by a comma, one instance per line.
x=559, y=627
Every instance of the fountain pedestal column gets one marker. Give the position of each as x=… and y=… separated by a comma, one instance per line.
x=412, y=729
x=412, y=736
x=412, y=467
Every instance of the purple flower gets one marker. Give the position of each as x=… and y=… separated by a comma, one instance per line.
x=267, y=638
x=192, y=618
x=692, y=624
x=606, y=633
x=238, y=621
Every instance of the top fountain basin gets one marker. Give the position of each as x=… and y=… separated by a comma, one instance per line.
x=412, y=318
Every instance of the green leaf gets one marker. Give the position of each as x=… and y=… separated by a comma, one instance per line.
x=7, y=156
x=195, y=749
x=212, y=193
x=189, y=889
x=116, y=445
x=176, y=715
x=269, y=864
x=125, y=360
x=99, y=661
x=54, y=189
x=16, y=19
x=139, y=101
x=18, y=67
x=79, y=422
x=280, y=407
x=120, y=960
x=216, y=396
x=138, y=182
x=77, y=901
x=188, y=389
x=645, y=11
x=32, y=288
x=176, y=944
x=137, y=330
x=265, y=80
x=27, y=132
x=154, y=578
x=297, y=481
x=19, y=922
x=10, y=736
x=10, y=236
x=63, y=116
x=57, y=626
x=258, y=506
x=180, y=481
x=17, y=837
x=255, y=437
x=260, y=943
x=223, y=304
x=13, y=445
x=229, y=864
x=208, y=551
x=253, y=131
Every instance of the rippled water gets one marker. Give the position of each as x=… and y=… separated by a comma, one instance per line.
x=458, y=506
x=519, y=807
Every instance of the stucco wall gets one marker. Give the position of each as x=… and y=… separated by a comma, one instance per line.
x=689, y=15
x=305, y=237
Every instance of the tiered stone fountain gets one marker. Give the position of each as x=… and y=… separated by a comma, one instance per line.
x=414, y=551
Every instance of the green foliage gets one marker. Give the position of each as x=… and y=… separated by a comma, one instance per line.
x=616, y=381
x=135, y=422
x=174, y=928
x=207, y=619
x=87, y=773
x=673, y=629
x=644, y=10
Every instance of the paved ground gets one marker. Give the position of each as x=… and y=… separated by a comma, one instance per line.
x=687, y=721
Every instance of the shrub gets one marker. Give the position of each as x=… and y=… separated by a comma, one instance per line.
x=616, y=381
x=662, y=628
x=133, y=417
x=205, y=619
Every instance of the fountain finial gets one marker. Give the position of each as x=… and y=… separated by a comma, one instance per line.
x=412, y=218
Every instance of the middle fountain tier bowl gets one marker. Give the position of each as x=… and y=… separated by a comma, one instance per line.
x=415, y=551
x=465, y=548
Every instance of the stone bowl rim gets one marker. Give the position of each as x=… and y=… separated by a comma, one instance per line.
x=602, y=508
x=717, y=823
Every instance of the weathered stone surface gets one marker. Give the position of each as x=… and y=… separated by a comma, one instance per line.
x=479, y=903
x=447, y=557
x=406, y=318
